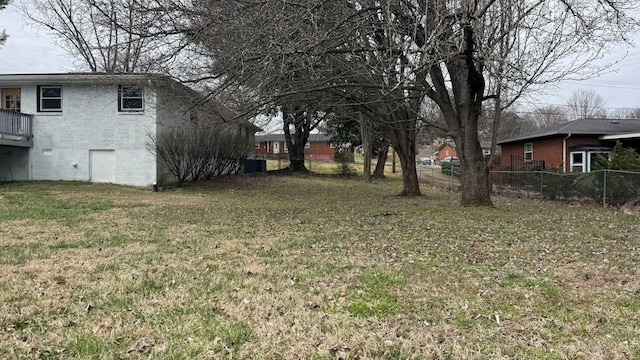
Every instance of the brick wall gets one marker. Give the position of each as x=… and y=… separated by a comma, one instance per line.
x=447, y=150
x=549, y=150
x=90, y=121
x=317, y=150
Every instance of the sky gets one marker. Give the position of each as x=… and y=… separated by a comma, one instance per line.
x=32, y=50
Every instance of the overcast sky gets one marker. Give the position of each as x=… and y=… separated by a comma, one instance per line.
x=30, y=50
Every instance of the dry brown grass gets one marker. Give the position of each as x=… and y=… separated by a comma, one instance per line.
x=270, y=267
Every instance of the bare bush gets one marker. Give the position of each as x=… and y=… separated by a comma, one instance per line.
x=197, y=151
x=171, y=147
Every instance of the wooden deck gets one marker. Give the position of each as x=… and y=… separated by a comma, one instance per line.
x=15, y=128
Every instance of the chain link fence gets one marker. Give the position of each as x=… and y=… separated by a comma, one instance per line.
x=606, y=187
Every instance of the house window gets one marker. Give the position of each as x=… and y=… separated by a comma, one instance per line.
x=11, y=99
x=528, y=152
x=49, y=98
x=331, y=145
x=130, y=98
x=286, y=148
x=257, y=146
x=307, y=145
x=577, y=162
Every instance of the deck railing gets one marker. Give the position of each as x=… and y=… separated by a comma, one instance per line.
x=15, y=124
x=518, y=163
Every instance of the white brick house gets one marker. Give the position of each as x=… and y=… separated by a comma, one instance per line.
x=87, y=127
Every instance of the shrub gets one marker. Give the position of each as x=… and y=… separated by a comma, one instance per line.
x=449, y=167
x=618, y=187
x=344, y=164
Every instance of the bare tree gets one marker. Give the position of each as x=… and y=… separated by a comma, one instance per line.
x=548, y=116
x=628, y=113
x=511, y=124
x=298, y=122
x=384, y=57
x=586, y=104
x=3, y=34
x=109, y=36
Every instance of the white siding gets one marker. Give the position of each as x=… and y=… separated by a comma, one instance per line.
x=90, y=120
x=14, y=163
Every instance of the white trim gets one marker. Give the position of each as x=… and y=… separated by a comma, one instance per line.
x=564, y=153
x=586, y=159
x=620, y=136
x=582, y=164
x=41, y=98
x=525, y=152
x=122, y=99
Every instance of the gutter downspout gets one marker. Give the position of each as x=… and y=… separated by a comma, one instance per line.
x=564, y=153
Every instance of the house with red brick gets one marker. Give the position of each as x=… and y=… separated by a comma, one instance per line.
x=569, y=147
x=448, y=148
x=318, y=147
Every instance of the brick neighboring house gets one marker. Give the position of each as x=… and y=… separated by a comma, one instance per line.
x=91, y=127
x=449, y=149
x=571, y=146
x=318, y=147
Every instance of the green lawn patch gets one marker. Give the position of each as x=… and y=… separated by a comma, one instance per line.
x=315, y=267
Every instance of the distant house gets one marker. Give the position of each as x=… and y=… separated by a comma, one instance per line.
x=91, y=127
x=571, y=146
x=449, y=149
x=446, y=149
x=318, y=146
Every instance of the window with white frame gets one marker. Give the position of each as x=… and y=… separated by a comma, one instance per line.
x=49, y=98
x=307, y=145
x=286, y=148
x=578, y=163
x=528, y=152
x=582, y=158
x=130, y=98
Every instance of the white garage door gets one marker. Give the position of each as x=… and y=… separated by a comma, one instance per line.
x=102, y=166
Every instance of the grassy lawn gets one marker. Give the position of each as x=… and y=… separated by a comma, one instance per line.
x=271, y=267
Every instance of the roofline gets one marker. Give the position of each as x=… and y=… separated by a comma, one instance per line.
x=620, y=136
x=69, y=78
x=531, y=138
x=281, y=137
x=560, y=131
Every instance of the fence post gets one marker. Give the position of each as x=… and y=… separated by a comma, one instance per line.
x=451, y=178
x=604, y=189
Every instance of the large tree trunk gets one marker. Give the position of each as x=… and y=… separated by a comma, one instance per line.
x=462, y=116
x=297, y=139
x=475, y=181
x=366, y=134
x=402, y=131
x=378, y=173
x=409, y=175
x=296, y=157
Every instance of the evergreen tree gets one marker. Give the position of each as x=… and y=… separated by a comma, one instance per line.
x=622, y=158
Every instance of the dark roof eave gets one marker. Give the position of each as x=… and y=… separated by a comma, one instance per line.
x=533, y=138
x=583, y=127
